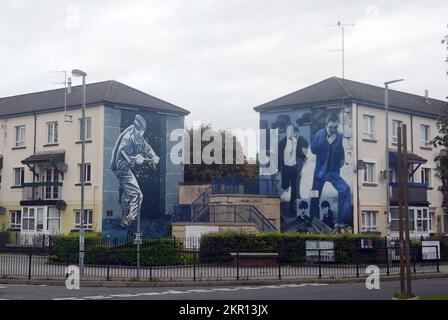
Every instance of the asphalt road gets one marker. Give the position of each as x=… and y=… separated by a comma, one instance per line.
x=305, y=291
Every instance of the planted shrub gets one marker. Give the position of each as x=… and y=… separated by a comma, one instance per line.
x=4, y=238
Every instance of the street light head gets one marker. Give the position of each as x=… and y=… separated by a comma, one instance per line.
x=78, y=73
x=392, y=81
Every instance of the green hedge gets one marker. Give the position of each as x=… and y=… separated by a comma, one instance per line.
x=4, y=238
x=154, y=252
x=216, y=247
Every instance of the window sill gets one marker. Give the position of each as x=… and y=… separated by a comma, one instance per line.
x=87, y=141
x=17, y=187
x=14, y=229
x=368, y=184
x=18, y=148
x=425, y=148
x=85, y=230
x=51, y=145
x=369, y=140
x=87, y=184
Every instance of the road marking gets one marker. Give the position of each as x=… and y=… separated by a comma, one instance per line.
x=3, y=287
x=98, y=297
x=133, y=295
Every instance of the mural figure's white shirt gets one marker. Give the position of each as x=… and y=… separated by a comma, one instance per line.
x=290, y=152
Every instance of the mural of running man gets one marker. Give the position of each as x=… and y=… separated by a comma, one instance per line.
x=131, y=149
x=330, y=157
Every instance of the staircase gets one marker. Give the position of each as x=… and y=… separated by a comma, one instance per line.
x=201, y=211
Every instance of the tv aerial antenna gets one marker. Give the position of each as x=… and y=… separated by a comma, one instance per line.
x=341, y=26
x=67, y=90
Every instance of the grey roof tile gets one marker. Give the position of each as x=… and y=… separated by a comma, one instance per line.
x=111, y=91
x=337, y=89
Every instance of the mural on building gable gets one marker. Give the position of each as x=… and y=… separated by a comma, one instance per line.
x=135, y=163
x=315, y=168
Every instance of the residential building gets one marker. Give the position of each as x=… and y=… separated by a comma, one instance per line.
x=343, y=122
x=40, y=149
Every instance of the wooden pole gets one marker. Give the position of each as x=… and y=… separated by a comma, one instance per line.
x=400, y=175
x=406, y=214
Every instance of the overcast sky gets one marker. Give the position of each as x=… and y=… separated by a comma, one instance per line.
x=220, y=58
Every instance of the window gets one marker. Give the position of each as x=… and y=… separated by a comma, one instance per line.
x=87, y=173
x=426, y=176
x=19, y=176
x=369, y=173
x=16, y=219
x=368, y=221
x=51, y=190
x=424, y=135
x=53, y=220
x=394, y=221
x=88, y=216
x=395, y=126
x=88, y=130
x=28, y=219
x=52, y=132
x=20, y=136
x=422, y=220
x=368, y=131
x=432, y=213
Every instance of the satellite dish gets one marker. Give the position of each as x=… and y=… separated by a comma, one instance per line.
x=61, y=205
x=62, y=167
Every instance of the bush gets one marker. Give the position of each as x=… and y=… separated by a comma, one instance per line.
x=154, y=252
x=4, y=238
x=216, y=247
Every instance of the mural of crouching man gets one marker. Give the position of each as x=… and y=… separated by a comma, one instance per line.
x=131, y=149
x=330, y=157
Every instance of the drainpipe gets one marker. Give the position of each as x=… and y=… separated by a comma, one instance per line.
x=34, y=151
x=358, y=204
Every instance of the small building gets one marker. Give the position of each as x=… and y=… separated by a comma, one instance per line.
x=40, y=152
x=323, y=133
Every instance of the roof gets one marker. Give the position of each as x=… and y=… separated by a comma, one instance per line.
x=412, y=158
x=336, y=89
x=112, y=92
x=53, y=156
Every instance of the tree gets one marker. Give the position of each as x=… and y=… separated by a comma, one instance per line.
x=204, y=173
x=441, y=140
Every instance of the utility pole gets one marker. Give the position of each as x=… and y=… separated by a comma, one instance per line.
x=406, y=212
x=341, y=26
x=401, y=174
x=79, y=73
x=387, y=170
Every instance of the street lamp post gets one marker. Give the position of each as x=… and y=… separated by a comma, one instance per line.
x=79, y=73
x=387, y=170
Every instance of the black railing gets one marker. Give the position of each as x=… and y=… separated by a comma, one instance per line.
x=241, y=185
x=196, y=264
x=42, y=191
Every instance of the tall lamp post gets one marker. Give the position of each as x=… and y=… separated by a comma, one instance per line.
x=79, y=73
x=387, y=170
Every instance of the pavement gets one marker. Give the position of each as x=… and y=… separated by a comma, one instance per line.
x=323, y=290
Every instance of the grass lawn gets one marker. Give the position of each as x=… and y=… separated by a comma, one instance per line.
x=435, y=298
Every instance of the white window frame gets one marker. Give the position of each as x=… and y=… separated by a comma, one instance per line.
x=88, y=129
x=87, y=172
x=53, y=218
x=368, y=120
x=88, y=225
x=15, y=219
x=53, y=128
x=19, y=136
x=366, y=170
x=369, y=220
x=395, y=125
x=21, y=172
x=425, y=173
x=424, y=135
